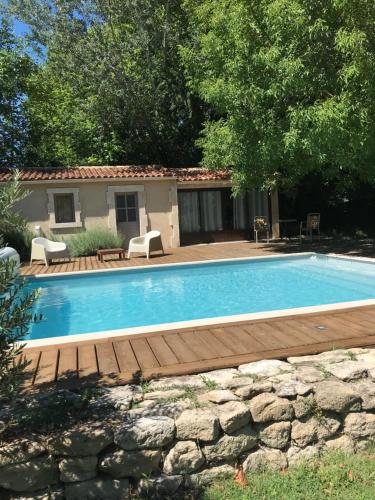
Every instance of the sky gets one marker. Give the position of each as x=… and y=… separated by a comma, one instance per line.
x=20, y=28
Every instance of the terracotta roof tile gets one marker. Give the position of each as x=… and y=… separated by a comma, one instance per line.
x=186, y=174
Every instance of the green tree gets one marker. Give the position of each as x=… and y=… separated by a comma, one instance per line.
x=15, y=69
x=292, y=83
x=112, y=88
x=15, y=302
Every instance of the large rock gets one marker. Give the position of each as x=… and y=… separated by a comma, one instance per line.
x=136, y=464
x=366, y=389
x=309, y=374
x=265, y=368
x=81, y=442
x=197, y=424
x=322, y=358
x=98, y=489
x=233, y=416
x=35, y=474
x=165, y=383
x=146, y=432
x=160, y=487
x=304, y=433
x=265, y=459
x=296, y=455
x=251, y=390
x=225, y=378
x=360, y=425
x=269, y=407
x=337, y=396
x=171, y=394
x=348, y=370
x=292, y=388
x=276, y=435
x=77, y=469
x=220, y=396
x=207, y=476
x=343, y=443
x=183, y=458
x=229, y=447
x=20, y=451
x=303, y=406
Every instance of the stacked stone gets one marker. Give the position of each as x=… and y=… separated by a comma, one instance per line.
x=265, y=414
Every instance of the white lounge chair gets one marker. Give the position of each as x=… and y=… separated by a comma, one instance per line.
x=44, y=249
x=147, y=243
x=261, y=225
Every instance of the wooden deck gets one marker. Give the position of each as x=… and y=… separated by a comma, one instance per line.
x=176, y=255
x=128, y=359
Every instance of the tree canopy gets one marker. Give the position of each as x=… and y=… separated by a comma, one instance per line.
x=15, y=69
x=293, y=86
x=274, y=89
x=112, y=87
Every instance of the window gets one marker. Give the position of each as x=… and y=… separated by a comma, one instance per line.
x=64, y=208
x=126, y=207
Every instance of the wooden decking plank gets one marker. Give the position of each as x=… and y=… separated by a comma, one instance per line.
x=201, y=349
x=87, y=362
x=293, y=332
x=33, y=358
x=213, y=364
x=230, y=341
x=270, y=337
x=47, y=367
x=68, y=363
x=259, y=340
x=144, y=354
x=107, y=361
x=162, y=351
x=125, y=356
x=217, y=346
x=182, y=351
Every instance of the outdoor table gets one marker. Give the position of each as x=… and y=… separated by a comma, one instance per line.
x=110, y=251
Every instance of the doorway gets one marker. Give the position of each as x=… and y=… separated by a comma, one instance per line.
x=127, y=218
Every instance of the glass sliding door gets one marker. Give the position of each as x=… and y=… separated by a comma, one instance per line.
x=211, y=211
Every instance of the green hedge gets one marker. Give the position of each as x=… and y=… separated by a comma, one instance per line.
x=20, y=240
x=88, y=242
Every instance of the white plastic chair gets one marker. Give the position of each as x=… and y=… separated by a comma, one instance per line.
x=147, y=243
x=44, y=249
x=261, y=225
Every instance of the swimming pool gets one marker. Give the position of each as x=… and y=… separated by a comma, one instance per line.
x=154, y=295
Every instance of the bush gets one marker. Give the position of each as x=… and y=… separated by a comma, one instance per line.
x=20, y=239
x=90, y=241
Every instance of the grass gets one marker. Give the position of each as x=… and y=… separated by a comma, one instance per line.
x=335, y=475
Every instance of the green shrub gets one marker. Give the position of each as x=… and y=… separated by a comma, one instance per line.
x=90, y=241
x=20, y=239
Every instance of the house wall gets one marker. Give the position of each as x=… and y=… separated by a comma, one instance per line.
x=159, y=196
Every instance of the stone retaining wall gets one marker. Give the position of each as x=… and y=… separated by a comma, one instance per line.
x=179, y=433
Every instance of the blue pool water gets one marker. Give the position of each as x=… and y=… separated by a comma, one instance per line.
x=107, y=301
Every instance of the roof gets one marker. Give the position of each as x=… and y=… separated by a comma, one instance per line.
x=186, y=174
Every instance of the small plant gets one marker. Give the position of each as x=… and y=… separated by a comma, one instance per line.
x=191, y=394
x=352, y=355
x=88, y=242
x=145, y=386
x=209, y=383
x=313, y=409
